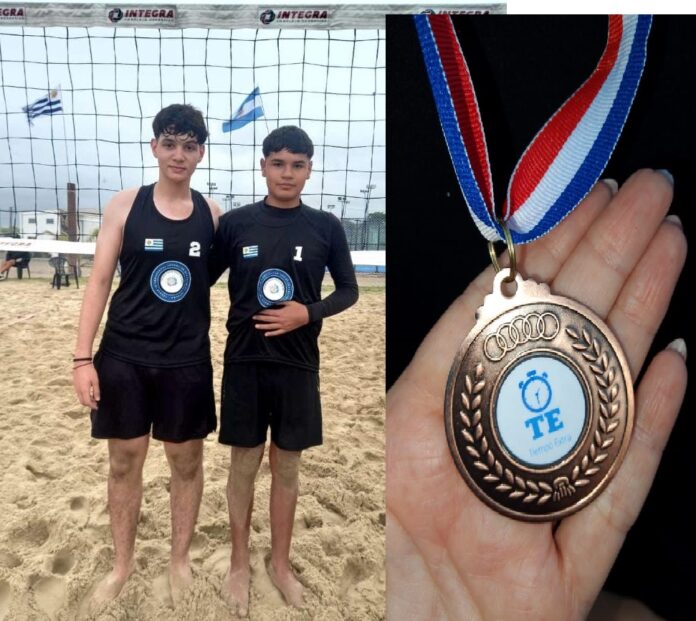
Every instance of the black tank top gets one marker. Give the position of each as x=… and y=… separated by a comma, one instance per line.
x=160, y=313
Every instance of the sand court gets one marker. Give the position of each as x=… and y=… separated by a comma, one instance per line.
x=55, y=541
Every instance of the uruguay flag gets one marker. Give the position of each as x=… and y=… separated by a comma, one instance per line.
x=251, y=109
x=46, y=105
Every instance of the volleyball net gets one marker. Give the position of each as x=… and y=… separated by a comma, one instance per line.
x=80, y=85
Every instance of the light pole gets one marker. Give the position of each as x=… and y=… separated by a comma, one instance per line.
x=344, y=204
x=366, y=191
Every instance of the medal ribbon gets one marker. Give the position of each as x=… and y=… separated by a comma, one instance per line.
x=566, y=157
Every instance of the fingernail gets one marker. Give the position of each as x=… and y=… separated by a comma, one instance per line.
x=674, y=219
x=678, y=345
x=666, y=174
x=612, y=184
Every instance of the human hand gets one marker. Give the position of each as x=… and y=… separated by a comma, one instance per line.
x=276, y=321
x=86, y=383
x=449, y=556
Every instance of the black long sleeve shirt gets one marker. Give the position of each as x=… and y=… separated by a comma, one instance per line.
x=288, y=251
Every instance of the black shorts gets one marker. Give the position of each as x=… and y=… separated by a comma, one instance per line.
x=258, y=394
x=177, y=403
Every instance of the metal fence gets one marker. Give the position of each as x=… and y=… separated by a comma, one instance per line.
x=365, y=233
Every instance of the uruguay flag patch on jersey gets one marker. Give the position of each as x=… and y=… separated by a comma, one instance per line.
x=154, y=245
x=250, y=252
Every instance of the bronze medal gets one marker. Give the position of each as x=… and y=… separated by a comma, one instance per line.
x=539, y=403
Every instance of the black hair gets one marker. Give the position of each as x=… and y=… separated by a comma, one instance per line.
x=288, y=137
x=180, y=119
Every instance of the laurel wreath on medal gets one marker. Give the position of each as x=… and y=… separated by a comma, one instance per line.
x=540, y=492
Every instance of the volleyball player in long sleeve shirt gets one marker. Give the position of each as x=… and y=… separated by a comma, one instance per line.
x=277, y=250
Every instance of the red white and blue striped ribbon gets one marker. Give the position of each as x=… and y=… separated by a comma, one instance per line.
x=566, y=157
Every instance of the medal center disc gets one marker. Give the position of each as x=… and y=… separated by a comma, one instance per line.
x=540, y=410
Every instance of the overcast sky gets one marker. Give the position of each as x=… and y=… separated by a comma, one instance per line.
x=113, y=81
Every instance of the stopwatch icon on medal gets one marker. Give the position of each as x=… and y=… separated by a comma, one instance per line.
x=536, y=391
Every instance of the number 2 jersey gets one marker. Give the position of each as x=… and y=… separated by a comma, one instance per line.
x=160, y=314
x=276, y=255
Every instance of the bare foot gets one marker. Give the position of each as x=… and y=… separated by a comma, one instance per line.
x=235, y=590
x=287, y=584
x=180, y=579
x=109, y=587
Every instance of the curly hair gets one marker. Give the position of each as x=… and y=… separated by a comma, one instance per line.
x=180, y=119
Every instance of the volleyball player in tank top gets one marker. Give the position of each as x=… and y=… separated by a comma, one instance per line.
x=152, y=373
x=277, y=251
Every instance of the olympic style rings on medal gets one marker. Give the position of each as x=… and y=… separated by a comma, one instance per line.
x=522, y=329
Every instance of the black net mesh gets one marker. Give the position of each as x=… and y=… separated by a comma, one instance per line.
x=104, y=86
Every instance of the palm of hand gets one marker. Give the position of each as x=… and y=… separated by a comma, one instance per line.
x=451, y=557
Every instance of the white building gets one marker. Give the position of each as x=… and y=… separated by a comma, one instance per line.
x=47, y=224
x=39, y=224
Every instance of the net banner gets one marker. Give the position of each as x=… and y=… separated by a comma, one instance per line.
x=46, y=245
x=334, y=16
x=375, y=258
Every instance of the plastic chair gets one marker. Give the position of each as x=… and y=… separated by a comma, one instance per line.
x=23, y=266
x=60, y=276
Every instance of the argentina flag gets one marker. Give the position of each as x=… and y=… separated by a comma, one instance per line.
x=45, y=105
x=251, y=109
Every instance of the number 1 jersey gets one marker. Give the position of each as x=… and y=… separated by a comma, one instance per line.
x=276, y=255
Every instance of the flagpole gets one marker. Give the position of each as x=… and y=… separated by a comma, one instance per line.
x=65, y=135
x=31, y=142
x=253, y=158
x=265, y=122
x=263, y=106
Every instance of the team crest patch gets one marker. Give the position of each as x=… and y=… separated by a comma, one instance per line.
x=154, y=245
x=170, y=281
x=274, y=286
x=250, y=252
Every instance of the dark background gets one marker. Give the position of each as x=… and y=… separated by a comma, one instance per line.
x=523, y=68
